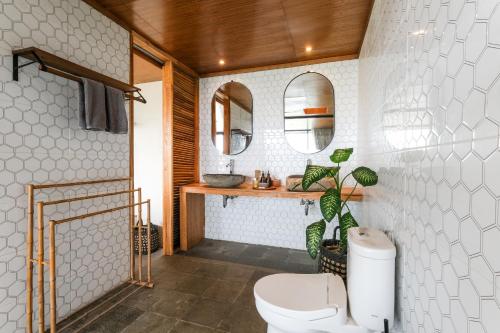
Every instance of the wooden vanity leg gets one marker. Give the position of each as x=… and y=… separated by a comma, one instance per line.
x=192, y=223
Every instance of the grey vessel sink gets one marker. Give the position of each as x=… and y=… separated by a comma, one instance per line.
x=223, y=180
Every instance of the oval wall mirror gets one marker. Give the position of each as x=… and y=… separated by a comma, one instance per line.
x=309, y=111
x=232, y=118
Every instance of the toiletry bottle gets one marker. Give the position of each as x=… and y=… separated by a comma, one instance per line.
x=269, y=180
x=262, y=179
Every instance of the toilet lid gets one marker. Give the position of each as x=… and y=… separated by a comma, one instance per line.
x=304, y=296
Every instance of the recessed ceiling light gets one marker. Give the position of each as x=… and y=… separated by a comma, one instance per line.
x=309, y=48
x=419, y=32
x=221, y=62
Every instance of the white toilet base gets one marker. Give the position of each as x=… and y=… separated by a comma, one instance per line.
x=350, y=327
x=272, y=329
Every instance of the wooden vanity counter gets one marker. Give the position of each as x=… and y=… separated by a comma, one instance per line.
x=192, y=205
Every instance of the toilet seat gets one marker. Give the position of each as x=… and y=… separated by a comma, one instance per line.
x=307, y=297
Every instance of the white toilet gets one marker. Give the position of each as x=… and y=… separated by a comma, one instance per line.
x=311, y=303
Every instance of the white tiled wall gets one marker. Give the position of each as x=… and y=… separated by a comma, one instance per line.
x=278, y=222
x=428, y=120
x=40, y=142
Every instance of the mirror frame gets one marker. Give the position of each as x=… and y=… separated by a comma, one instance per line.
x=212, y=123
x=334, y=111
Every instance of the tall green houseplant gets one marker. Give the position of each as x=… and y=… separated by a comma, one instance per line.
x=331, y=203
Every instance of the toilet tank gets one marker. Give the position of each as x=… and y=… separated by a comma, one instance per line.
x=370, y=277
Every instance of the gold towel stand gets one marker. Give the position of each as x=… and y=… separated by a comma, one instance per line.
x=40, y=261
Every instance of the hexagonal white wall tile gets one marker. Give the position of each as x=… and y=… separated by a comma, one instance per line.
x=483, y=208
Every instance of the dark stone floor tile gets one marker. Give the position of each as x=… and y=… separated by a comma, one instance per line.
x=177, y=264
x=300, y=257
x=258, y=274
x=303, y=269
x=246, y=298
x=277, y=265
x=150, y=322
x=224, y=291
x=185, y=327
x=243, y=320
x=207, y=312
x=276, y=254
x=212, y=270
x=174, y=304
x=113, y=321
x=142, y=299
x=169, y=280
x=194, y=285
x=254, y=252
x=76, y=322
x=238, y=273
x=96, y=308
x=66, y=330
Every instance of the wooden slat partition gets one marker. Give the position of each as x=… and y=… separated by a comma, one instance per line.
x=184, y=136
x=180, y=146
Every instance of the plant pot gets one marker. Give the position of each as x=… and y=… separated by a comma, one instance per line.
x=155, y=239
x=331, y=258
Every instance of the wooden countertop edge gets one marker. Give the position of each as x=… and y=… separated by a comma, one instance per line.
x=281, y=192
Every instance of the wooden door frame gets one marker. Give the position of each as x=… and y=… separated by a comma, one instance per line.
x=167, y=134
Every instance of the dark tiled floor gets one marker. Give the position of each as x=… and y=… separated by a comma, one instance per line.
x=207, y=289
x=288, y=260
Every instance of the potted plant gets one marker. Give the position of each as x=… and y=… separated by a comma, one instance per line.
x=333, y=252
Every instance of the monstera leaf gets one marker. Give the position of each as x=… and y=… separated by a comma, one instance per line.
x=315, y=173
x=314, y=236
x=346, y=222
x=329, y=204
x=365, y=176
x=341, y=155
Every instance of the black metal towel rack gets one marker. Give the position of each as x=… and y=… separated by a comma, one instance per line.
x=53, y=64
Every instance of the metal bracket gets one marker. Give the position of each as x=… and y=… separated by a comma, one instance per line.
x=225, y=198
x=16, y=66
x=138, y=99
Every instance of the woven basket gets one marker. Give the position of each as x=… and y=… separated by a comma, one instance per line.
x=155, y=239
x=330, y=260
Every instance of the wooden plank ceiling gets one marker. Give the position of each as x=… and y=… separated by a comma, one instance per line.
x=247, y=33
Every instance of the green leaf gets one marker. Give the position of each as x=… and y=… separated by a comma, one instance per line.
x=314, y=236
x=330, y=204
x=365, y=176
x=341, y=155
x=315, y=173
x=347, y=221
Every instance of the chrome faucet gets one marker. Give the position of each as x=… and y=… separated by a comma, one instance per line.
x=306, y=203
x=231, y=166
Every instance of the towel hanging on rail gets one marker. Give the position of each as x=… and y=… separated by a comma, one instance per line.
x=92, y=105
x=102, y=108
x=115, y=110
